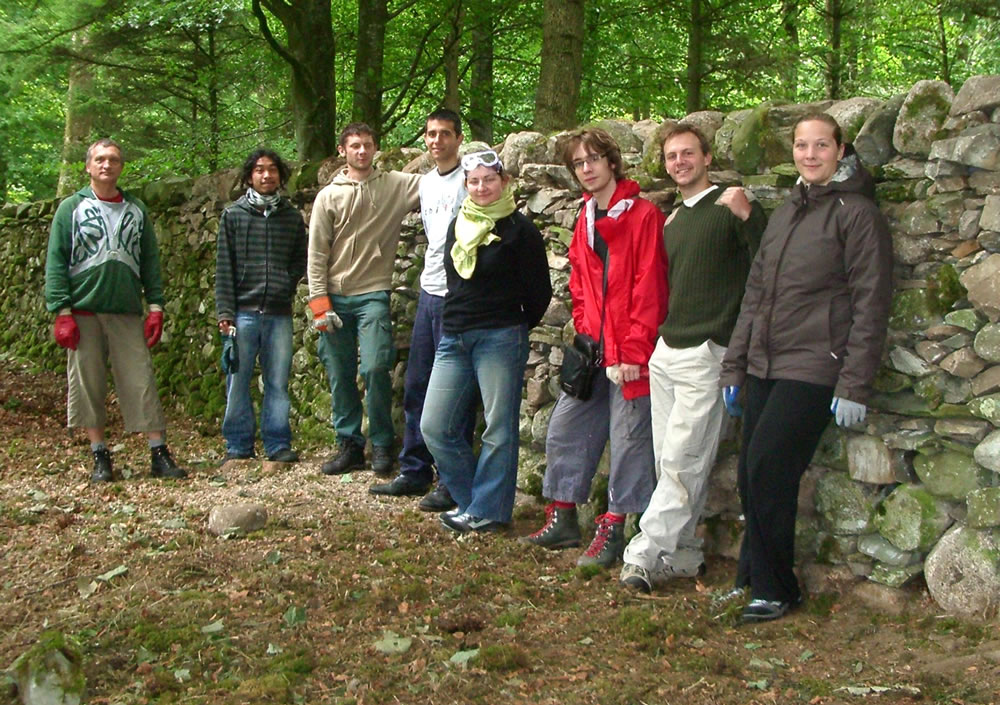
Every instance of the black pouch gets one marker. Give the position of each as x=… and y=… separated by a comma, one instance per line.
x=581, y=363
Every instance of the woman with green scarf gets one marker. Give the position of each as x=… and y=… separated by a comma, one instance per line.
x=498, y=289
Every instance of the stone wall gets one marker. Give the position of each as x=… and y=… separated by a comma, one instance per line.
x=914, y=490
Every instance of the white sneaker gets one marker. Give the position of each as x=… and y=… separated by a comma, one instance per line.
x=637, y=577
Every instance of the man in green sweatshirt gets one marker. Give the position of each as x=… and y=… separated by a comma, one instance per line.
x=353, y=234
x=102, y=263
x=710, y=240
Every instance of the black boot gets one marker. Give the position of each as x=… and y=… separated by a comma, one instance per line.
x=350, y=456
x=102, y=467
x=163, y=465
x=382, y=461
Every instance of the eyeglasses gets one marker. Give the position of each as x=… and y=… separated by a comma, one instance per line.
x=489, y=159
x=589, y=159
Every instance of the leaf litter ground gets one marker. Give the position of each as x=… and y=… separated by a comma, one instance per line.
x=347, y=598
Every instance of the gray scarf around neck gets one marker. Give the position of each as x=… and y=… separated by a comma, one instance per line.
x=265, y=203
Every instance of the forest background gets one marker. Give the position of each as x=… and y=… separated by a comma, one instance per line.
x=190, y=86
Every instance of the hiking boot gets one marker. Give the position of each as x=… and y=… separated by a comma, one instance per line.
x=382, y=460
x=437, y=500
x=560, y=530
x=608, y=545
x=644, y=580
x=163, y=465
x=350, y=456
x=102, y=466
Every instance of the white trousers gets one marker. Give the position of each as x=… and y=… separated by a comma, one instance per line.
x=687, y=414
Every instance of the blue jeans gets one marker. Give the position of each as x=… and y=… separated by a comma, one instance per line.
x=270, y=338
x=493, y=359
x=415, y=459
x=366, y=323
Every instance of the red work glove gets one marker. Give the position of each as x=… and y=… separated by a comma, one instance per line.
x=66, y=332
x=153, y=328
x=323, y=314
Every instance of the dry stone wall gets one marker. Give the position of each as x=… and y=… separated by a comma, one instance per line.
x=915, y=490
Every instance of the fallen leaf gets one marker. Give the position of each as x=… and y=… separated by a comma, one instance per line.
x=462, y=658
x=113, y=573
x=85, y=587
x=213, y=628
x=295, y=615
x=393, y=643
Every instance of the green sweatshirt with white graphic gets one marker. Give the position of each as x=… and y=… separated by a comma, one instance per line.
x=102, y=256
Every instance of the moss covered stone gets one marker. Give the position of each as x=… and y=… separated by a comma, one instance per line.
x=950, y=474
x=987, y=407
x=911, y=518
x=847, y=506
x=911, y=310
x=983, y=508
x=51, y=671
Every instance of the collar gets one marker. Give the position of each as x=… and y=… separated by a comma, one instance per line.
x=693, y=200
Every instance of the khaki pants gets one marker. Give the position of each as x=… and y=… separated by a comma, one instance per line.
x=687, y=411
x=118, y=338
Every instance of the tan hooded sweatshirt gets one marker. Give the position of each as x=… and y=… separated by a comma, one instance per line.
x=354, y=232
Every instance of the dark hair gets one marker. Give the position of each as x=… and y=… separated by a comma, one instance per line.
x=104, y=142
x=599, y=142
x=443, y=114
x=821, y=117
x=283, y=171
x=355, y=128
x=686, y=128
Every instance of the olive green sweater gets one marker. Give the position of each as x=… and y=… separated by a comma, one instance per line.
x=709, y=251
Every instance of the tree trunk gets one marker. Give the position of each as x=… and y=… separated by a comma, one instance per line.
x=558, y=93
x=943, y=45
x=481, y=84
x=790, y=74
x=835, y=14
x=373, y=17
x=310, y=53
x=451, y=51
x=79, y=122
x=213, y=102
x=695, y=58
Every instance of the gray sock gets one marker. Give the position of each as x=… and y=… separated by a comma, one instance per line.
x=99, y=445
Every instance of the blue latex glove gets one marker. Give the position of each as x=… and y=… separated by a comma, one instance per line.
x=729, y=395
x=230, y=353
x=847, y=412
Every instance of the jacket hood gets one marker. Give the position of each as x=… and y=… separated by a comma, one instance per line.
x=850, y=177
x=343, y=179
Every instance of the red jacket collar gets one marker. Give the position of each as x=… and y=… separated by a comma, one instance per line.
x=625, y=188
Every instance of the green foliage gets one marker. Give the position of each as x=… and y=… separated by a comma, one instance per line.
x=189, y=86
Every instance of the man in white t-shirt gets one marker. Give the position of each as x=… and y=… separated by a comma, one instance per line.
x=442, y=191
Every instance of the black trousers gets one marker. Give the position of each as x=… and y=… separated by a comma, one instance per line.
x=782, y=424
